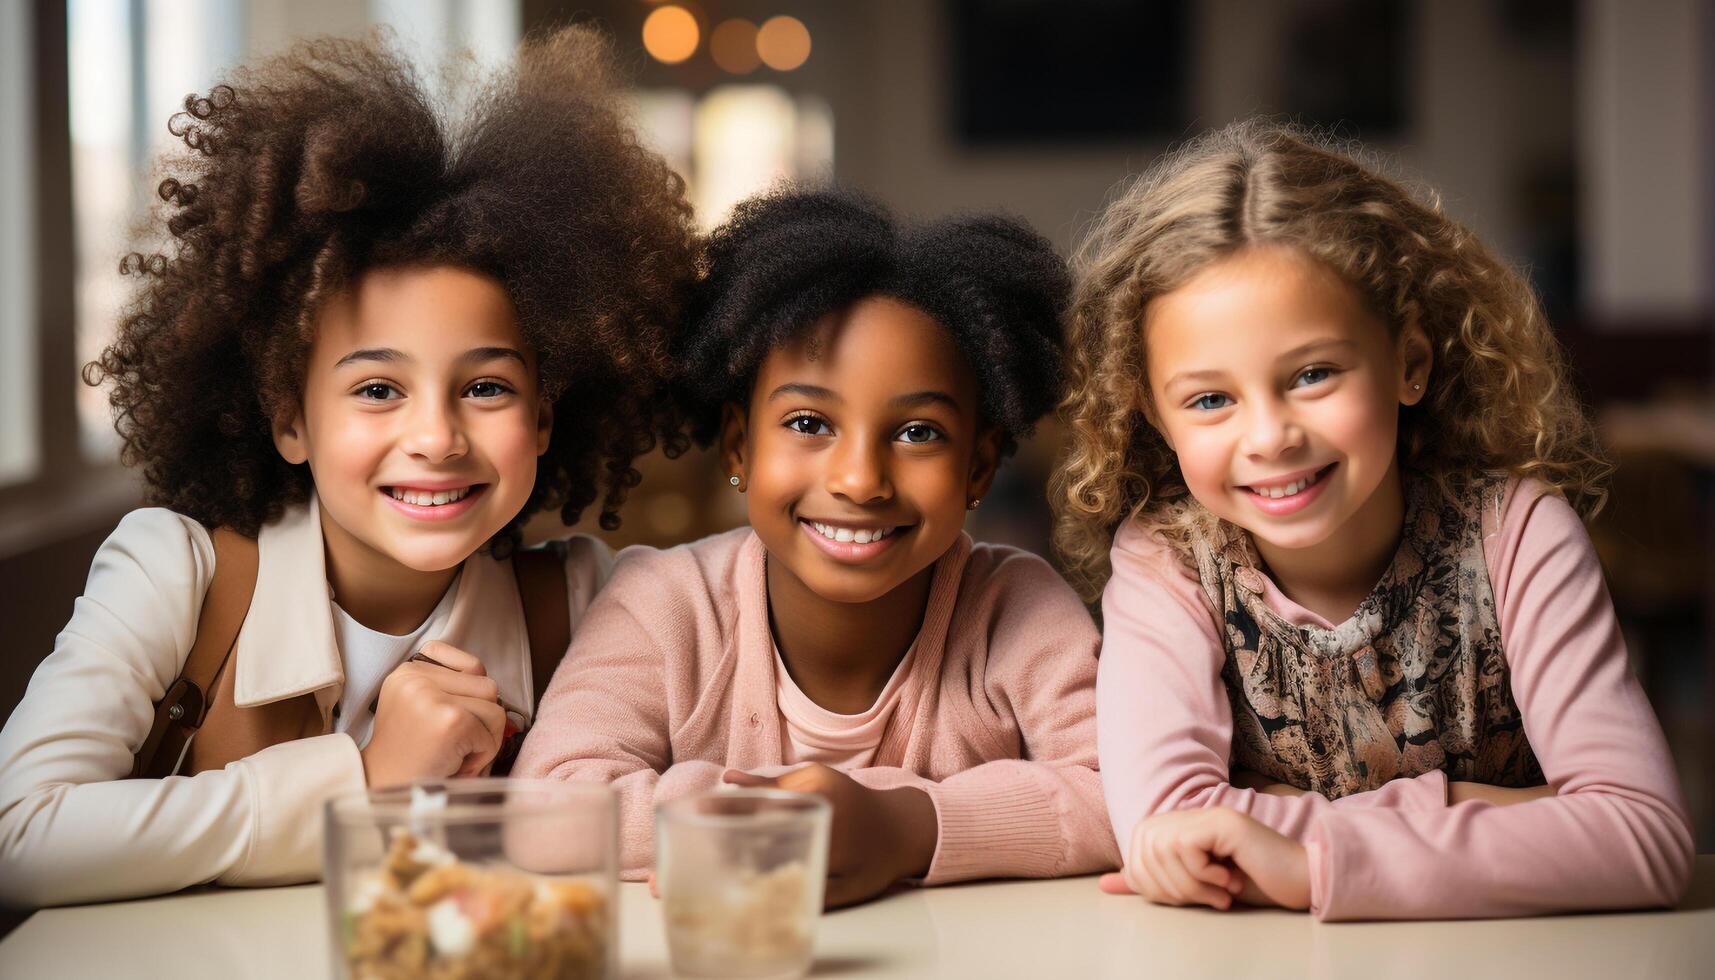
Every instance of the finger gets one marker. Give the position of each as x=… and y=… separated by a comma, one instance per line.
x=1183, y=864
x=482, y=738
x=1114, y=884
x=1237, y=881
x=1171, y=874
x=1146, y=876
x=453, y=682
x=738, y=777
x=1206, y=869
x=805, y=780
x=448, y=655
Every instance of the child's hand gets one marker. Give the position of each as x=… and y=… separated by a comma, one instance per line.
x=879, y=835
x=1209, y=857
x=432, y=721
x=1459, y=792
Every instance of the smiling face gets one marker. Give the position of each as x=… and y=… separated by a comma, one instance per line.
x=861, y=450
x=421, y=419
x=1280, y=393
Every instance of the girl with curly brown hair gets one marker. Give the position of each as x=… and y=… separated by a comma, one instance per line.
x=379, y=342
x=1358, y=656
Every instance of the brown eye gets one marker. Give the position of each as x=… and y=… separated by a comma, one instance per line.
x=377, y=392
x=920, y=433
x=807, y=425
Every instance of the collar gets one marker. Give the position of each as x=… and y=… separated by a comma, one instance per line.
x=288, y=644
x=753, y=740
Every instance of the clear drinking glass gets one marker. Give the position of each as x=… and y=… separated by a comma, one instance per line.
x=741, y=874
x=474, y=877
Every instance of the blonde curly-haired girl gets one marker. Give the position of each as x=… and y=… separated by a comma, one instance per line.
x=1326, y=460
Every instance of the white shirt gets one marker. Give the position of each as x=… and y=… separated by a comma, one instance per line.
x=369, y=656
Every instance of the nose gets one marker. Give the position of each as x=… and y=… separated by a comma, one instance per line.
x=433, y=430
x=857, y=471
x=1271, y=430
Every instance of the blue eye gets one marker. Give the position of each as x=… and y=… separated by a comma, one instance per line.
x=807, y=425
x=1315, y=375
x=1210, y=401
x=487, y=389
x=919, y=433
x=376, y=391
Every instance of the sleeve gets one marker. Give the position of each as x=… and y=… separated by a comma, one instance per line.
x=1040, y=815
x=1164, y=723
x=73, y=827
x=1615, y=835
x=604, y=717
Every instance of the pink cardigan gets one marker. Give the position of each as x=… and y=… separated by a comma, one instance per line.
x=1615, y=836
x=670, y=681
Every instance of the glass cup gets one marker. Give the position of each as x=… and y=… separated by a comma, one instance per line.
x=474, y=877
x=741, y=874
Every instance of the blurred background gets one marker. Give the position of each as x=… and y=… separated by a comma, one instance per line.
x=1577, y=138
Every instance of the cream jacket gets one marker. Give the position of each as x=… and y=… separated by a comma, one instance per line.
x=73, y=828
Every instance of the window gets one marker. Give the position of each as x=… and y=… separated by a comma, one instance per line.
x=20, y=449
x=130, y=66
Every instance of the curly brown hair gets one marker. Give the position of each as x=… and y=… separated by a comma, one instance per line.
x=301, y=174
x=1500, y=398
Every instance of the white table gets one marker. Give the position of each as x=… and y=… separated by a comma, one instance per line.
x=1005, y=929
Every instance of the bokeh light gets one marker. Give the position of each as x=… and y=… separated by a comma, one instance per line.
x=733, y=46
x=783, y=43
x=670, y=34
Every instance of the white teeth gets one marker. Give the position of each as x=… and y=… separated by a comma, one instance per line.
x=862, y=535
x=1288, y=490
x=425, y=498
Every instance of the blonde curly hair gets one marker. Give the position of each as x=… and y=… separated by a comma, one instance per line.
x=1499, y=396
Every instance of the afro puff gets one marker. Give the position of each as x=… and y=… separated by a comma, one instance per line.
x=299, y=175
x=788, y=258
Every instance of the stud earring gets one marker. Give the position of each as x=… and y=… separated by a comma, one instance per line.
x=973, y=504
x=1416, y=387
x=732, y=480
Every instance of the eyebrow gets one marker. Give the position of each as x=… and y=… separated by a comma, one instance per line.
x=916, y=398
x=1296, y=353
x=808, y=391
x=476, y=355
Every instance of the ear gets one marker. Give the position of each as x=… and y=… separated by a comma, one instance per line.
x=544, y=425
x=291, y=437
x=1416, y=358
x=985, y=460
x=735, y=440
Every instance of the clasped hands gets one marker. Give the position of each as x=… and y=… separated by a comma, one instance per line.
x=1216, y=856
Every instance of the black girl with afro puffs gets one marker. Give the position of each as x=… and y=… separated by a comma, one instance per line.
x=382, y=335
x=863, y=380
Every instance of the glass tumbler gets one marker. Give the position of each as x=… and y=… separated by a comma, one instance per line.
x=741, y=874
x=474, y=878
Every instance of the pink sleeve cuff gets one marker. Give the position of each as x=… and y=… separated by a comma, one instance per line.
x=1316, y=857
x=1001, y=825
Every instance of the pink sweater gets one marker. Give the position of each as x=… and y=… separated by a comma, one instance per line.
x=670, y=681
x=1614, y=836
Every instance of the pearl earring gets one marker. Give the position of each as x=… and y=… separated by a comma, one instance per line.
x=732, y=480
x=1416, y=387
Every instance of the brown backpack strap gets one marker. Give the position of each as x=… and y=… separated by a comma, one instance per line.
x=181, y=711
x=541, y=576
